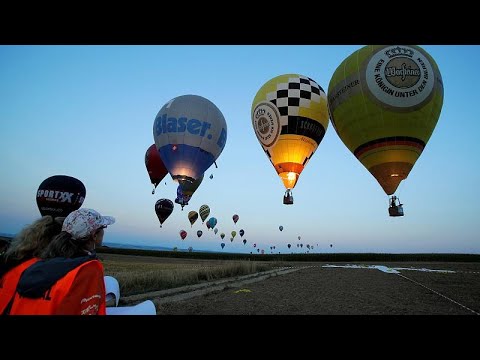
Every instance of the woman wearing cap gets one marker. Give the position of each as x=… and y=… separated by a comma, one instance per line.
x=34, y=238
x=69, y=280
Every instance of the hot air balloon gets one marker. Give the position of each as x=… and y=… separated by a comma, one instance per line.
x=163, y=209
x=199, y=233
x=231, y=239
x=190, y=132
x=222, y=235
x=215, y=231
x=244, y=241
x=331, y=245
x=289, y=245
x=255, y=245
x=234, y=233
x=204, y=212
x=155, y=166
x=212, y=222
x=258, y=250
x=183, y=234
x=185, y=191
x=192, y=217
x=211, y=176
x=222, y=245
x=235, y=218
x=384, y=102
x=242, y=233
x=280, y=228
x=290, y=117
x=299, y=238
x=59, y=195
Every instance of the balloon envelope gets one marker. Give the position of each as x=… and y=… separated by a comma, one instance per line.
x=281, y=228
x=192, y=217
x=222, y=245
x=59, y=195
x=290, y=116
x=384, y=103
x=235, y=218
x=204, y=212
x=183, y=234
x=155, y=167
x=163, y=209
x=244, y=241
x=199, y=233
x=190, y=132
x=222, y=235
x=242, y=232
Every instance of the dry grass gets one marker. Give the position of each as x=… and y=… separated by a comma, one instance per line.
x=137, y=278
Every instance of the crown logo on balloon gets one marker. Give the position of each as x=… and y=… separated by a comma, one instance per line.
x=399, y=51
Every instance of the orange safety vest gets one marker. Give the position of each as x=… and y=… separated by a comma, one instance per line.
x=80, y=292
x=9, y=281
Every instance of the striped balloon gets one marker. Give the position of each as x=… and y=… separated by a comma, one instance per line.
x=204, y=212
x=192, y=217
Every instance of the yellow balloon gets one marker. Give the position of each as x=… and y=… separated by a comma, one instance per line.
x=290, y=118
x=384, y=102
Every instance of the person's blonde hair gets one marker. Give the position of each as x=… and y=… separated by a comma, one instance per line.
x=34, y=238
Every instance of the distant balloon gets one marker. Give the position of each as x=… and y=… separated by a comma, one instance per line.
x=204, y=212
x=299, y=238
x=231, y=239
x=222, y=235
x=290, y=116
x=289, y=245
x=234, y=233
x=211, y=176
x=155, y=166
x=192, y=217
x=212, y=222
x=222, y=245
x=255, y=245
x=163, y=209
x=258, y=250
x=199, y=233
x=190, y=133
x=215, y=231
x=185, y=191
x=242, y=233
x=59, y=195
x=281, y=228
x=235, y=218
x=331, y=245
x=183, y=234
x=244, y=241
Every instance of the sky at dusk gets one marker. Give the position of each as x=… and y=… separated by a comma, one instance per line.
x=87, y=111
